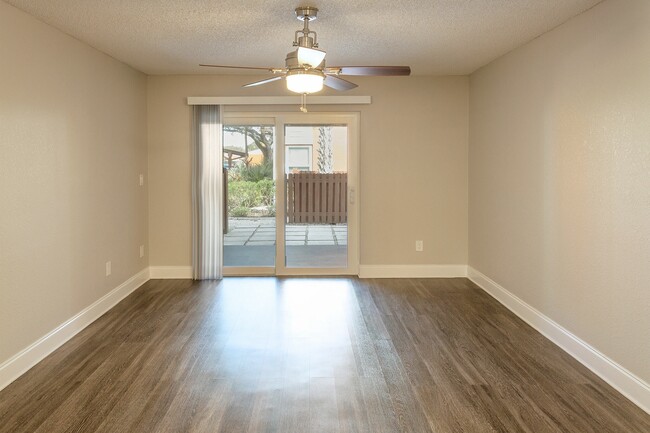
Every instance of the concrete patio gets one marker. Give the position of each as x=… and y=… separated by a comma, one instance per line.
x=251, y=242
x=261, y=232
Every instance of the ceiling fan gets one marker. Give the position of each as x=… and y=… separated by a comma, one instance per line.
x=305, y=70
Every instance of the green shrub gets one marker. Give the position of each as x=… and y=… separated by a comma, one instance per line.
x=244, y=195
x=239, y=212
x=253, y=173
x=266, y=189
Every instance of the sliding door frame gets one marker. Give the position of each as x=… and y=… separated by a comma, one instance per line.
x=352, y=121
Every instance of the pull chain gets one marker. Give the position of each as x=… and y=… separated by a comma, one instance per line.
x=303, y=103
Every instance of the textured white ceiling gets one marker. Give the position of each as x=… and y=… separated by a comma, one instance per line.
x=431, y=36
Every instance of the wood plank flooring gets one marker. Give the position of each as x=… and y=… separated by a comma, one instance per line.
x=311, y=355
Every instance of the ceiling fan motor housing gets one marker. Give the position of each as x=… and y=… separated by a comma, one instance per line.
x=305, y=41
x=291, y=61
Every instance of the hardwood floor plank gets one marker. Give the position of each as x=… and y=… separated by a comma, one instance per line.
x=379, y=406
x=237, y=416
x=311, y=355
x=323, y=406
x=295, y=416
x=407, y=409
x=352, y=414
x=266, y=416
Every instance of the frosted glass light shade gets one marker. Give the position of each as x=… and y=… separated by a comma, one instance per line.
x=310, y=56
x=305, y=82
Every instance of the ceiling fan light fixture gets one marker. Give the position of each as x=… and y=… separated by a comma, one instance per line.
x=305, y=82
x=310, y=56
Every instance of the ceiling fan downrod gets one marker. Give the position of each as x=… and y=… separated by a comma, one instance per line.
x=306, y=14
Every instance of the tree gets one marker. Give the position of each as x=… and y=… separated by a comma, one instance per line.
x=262, y=136
x=324, y=149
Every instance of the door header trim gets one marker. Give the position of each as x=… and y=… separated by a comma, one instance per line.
x=277, y=100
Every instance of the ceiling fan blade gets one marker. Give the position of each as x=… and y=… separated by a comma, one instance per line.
x=369, y=70
x=338, y=83
x=264, y=81
x=240, y=67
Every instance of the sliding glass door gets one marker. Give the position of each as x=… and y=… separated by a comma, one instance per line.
x=316, y=172
x=291, y=192
x=249, y=179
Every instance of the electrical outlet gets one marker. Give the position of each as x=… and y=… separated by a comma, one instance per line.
x=141, y=179
x=141, y=251
x=419, y=245
x=108, y=268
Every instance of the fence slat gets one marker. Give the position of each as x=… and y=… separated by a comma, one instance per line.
x=318, y=180
x=317, y=197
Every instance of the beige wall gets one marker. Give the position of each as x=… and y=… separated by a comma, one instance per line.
x=413, y=175
x=72, y=144
x=559, y=177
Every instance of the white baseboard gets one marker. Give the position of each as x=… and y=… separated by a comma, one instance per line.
x=18, y=364
x=365, y=271
x=412, y=271
x=170, y=272
x=632, y=387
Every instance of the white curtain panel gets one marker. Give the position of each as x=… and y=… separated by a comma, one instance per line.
x=207, y=193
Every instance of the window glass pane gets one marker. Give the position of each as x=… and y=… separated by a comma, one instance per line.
x=249, y=235
x=316, y=233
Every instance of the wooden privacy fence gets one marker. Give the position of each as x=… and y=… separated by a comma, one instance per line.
x=317, y=197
